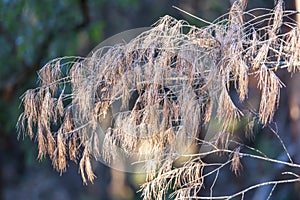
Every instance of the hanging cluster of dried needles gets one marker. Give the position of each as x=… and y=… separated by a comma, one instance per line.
x=178, y=74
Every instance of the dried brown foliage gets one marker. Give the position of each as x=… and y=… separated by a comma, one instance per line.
x=181, y=74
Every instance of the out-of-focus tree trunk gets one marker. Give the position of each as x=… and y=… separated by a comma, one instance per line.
x=294, y=108
x=297, y=5
x=119, y=187
x=294, y=99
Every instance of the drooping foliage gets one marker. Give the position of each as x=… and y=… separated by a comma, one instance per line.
x=152, y=96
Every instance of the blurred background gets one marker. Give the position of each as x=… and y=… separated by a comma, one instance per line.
x=33, y=32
